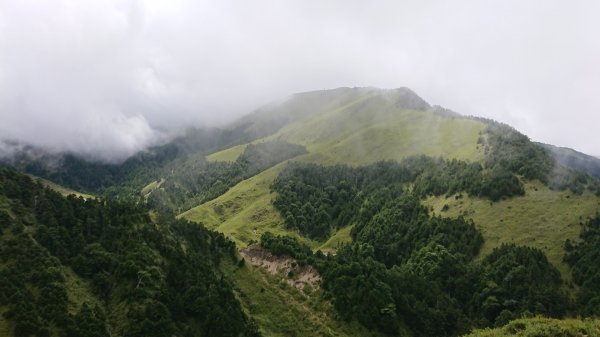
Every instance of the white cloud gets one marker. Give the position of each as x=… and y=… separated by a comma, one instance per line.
x=119, y=69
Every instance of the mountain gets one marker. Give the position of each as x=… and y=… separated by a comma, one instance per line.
x=575, y=160
x=354, y=211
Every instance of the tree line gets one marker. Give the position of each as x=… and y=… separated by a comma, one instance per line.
x=317, y=200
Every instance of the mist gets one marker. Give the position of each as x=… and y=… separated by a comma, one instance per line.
x=108, y=78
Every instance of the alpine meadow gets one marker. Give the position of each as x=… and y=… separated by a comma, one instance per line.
x=345, y=212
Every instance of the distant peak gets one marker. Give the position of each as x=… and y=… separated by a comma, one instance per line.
x=404, y=98
x=401, y=97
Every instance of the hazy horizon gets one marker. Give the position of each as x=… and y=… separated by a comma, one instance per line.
x=108, y=78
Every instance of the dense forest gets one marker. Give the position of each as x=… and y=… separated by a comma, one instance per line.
x=146, y=277
x=422, y=279
x=584, y=258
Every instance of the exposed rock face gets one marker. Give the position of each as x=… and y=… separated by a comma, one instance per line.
x=294, y=274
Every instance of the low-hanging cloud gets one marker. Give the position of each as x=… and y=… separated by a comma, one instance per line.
x=102, y=77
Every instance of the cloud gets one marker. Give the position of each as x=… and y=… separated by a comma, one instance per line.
x=100, y=77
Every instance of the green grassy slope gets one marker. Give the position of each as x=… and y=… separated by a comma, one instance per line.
x=542, y=219
x=282, y=311
x=370, y=130
x=340, y=237
x=61, y=189
x=543, y=327
x=229, y=155
x=245, y=212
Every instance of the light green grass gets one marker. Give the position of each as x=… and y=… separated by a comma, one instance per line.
x=61, y=189
x=366, y=131
x=542, y=219
x=151, y=187
x=283, y=311
x=543, y=327
x=229, y=155
x=398, y=139
x=340, y=237
x=246, y=211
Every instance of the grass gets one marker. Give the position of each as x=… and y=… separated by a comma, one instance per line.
x=366, y=131
x=246, y=211
x=281, y=310
x=340, y=237
x=61, y=189
x=543, y=327
x=151, y=187
x=229, y=155
x=542, y=219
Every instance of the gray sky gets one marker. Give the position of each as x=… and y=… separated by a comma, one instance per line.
x=102, y=76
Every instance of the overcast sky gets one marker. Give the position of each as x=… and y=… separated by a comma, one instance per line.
x=102, y=76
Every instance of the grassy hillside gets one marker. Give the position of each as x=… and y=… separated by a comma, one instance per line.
x=61, y=189
x=363, y=125
x=281, y=310
x=542, y=219
x=543, y=327
x=370, y=130
x=340, y=237
x=228, y=155
x=245, y=212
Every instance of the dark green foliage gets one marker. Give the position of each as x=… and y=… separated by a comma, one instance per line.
x=584, y=259
x=403, y=226
x=515, y=153
x=454, y=176
x=517, y=280
x=511, y=151
x=285, y=245
x=166, y=274
x=407, y=271
x=32, y=287
x=317, y=200
x=390, y=300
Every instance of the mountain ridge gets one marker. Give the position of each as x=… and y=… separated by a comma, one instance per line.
x=397, y=192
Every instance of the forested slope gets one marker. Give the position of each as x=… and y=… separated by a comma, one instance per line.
x=76, y=267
